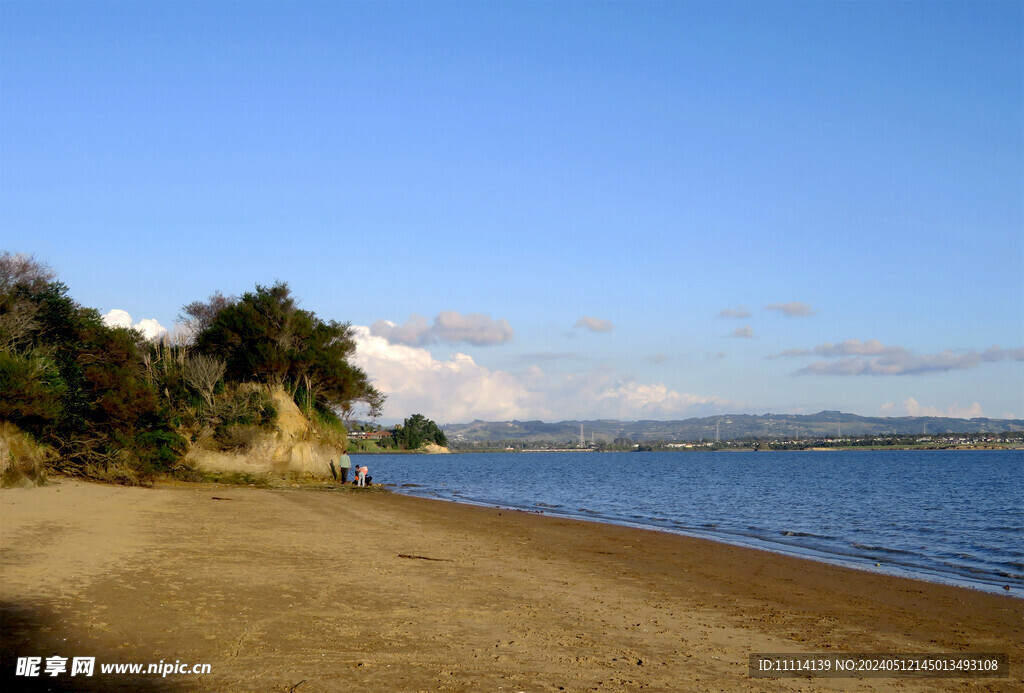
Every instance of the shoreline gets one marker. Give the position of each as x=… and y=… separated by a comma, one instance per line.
x=808, y=554
x=311, y=590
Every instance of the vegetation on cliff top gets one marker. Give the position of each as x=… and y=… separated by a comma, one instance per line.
x=116, y=407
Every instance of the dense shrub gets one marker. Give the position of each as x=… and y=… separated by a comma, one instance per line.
x=77, y=384
x=33, y=390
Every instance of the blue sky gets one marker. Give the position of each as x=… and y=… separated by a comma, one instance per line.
x=550, y=210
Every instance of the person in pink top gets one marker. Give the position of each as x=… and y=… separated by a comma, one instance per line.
x=361, y=473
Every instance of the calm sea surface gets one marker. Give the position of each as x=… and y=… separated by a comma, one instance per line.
x=954, y=517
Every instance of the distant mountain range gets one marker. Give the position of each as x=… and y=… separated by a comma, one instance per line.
x=733, y=426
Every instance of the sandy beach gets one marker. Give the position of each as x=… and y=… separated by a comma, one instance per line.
x=305, y=589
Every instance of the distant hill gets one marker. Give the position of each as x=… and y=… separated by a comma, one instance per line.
x=733, y=426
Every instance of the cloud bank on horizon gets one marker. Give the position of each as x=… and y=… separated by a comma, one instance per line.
x=911, y=407
x=458, y=389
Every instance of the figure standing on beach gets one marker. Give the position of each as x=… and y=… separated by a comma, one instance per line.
x=361, y=473
x=344, y=464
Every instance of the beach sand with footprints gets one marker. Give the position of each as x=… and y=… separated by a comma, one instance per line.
x=318, y=589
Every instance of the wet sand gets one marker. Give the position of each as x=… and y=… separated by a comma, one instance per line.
x=315, y=590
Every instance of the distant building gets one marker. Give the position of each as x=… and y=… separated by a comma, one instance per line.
x=368, y=435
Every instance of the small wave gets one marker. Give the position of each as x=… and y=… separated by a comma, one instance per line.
x=546, y=505
x=1011, y=553
x=883, y=549
x=788, y=533
x=967, y=568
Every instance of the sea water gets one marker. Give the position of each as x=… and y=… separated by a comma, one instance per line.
x=945, y=516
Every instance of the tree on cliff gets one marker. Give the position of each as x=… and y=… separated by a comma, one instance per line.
x=417, y=431
x=264, y=337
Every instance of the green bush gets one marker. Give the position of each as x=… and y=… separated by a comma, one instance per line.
x=77, y=384
x=32, y=388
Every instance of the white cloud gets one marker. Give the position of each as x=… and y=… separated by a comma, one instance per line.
x=793, y=309
x=449, y=326
x=595, y=324
x=745, y=332
x=117, y=318
x=739, y=312
x=459, y=389
x=150, y=328
x=632, y=400
x=455, y=390
x=911, y=407
x=874, y=358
